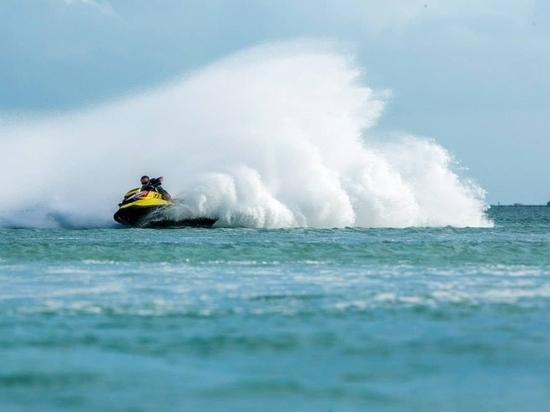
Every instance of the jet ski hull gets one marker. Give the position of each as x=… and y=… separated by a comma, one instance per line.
x=149, y=210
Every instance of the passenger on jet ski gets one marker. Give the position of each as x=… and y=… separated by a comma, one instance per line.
x=154, y=185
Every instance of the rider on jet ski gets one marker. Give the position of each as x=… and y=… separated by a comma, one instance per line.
x=154, y=185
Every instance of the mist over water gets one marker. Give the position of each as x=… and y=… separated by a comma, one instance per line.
x=276, y=136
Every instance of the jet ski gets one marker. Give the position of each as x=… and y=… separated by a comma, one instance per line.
x=147, y=209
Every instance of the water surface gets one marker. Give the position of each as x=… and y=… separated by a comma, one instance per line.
x=424, y=319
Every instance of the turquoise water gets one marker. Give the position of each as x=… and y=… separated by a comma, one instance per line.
x=422, y=319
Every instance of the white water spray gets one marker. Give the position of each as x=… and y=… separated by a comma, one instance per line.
x=277, y=136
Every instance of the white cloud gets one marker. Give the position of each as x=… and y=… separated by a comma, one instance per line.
x=102, y=6
x=397, y=15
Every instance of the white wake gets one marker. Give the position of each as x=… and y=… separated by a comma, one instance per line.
x=277, y=136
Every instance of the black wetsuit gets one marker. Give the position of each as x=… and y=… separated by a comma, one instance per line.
x=156, y=187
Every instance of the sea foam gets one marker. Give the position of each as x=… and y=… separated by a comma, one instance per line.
x=282, y=135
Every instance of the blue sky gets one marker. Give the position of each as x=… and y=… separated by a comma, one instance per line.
x=473, y=75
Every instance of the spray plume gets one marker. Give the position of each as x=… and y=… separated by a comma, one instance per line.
x=277, y=136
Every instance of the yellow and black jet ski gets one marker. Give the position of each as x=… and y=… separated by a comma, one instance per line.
x=147, y=209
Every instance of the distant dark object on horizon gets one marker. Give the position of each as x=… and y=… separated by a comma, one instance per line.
x=519, y=205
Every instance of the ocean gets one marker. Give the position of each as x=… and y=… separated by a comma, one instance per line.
x=352, y=268
x=284, y=319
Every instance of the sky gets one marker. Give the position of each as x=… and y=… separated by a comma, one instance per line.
x=472, y=75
